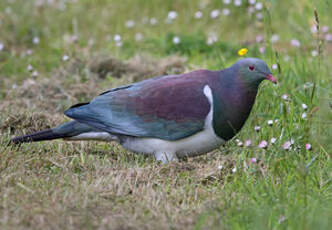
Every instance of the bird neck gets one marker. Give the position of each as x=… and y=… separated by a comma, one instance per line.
x=246, y=82
x=233, y=101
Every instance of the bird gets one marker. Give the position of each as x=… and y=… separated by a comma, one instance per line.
x=170, y=116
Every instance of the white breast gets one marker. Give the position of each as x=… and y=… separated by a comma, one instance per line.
x=199, y=143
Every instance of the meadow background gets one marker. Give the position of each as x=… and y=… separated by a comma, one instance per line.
x=276, y=174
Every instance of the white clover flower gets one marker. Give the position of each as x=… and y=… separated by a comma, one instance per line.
x=251, y=10
x=273, y=140
x=304, y=106
x=34, y=73
x=234, y=170
x=270, y=122
x=226, y=11
x=257, y=128
x=274, y=66
x=252, y=2
x=314, y=53
x=304, y=115
x=153, y=21
x=30, y=68
x=295, y=43
x=237, y=2
x=65, y=58
x=274, y=38
x=240, y=144
x=259, y=15
x=117, y=38
x=214, y=13
x=198, y=14
x=220, y=167
x=138, y=36
x=262, y=49
x=212, y=38
x=130, y=24
x=29, y=52
x=259, y=6
x=284, y=96
x=74, y=38
x=259, y=38
x=176, y=40
x=227, y=2
x=35, y=40
x=172, y=15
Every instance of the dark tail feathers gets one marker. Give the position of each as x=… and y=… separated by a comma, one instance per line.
x=44, y=135
x=68, y=129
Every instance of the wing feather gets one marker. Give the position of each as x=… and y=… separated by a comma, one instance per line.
x=169, y=107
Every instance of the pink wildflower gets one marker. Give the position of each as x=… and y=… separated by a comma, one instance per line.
x=253, y=160
x=263, y=144
x=247, y=143
x=308, y=146
x=287, y=145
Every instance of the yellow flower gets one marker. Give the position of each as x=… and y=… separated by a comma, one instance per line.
x=242, y=52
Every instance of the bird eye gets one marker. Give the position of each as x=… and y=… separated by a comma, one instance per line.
x=251, y=67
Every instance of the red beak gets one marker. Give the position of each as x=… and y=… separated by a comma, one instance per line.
x=271, y=78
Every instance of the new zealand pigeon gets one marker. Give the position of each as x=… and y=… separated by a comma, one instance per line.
x=168, y=116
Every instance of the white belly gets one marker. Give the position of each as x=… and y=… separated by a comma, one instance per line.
x=199, y=143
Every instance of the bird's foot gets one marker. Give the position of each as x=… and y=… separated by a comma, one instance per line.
x=166, y=157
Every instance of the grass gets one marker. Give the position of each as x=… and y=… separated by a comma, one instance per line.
x=64, y=185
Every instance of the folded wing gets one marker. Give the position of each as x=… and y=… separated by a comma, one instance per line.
x=169, y=107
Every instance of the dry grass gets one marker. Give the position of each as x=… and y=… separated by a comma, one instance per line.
x=90, y=185
x=85, y=185
x=68, y=185
x=137, y=68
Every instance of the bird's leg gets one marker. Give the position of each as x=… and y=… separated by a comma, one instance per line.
x=165, y=157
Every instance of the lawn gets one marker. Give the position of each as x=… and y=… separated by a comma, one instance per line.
x=275, y=174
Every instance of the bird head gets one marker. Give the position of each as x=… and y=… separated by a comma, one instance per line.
x=253, y=71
